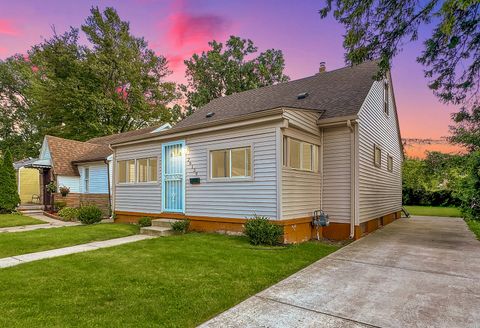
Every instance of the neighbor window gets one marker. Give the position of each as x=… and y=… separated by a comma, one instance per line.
x=390, y=163
x=126, y=171
x=377, y=156
x=300, y=155
x=385, y=97
x=231, y=163
x=147, y=169
x=87, y=179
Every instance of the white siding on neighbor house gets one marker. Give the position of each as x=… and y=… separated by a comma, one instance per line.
x=233, y=199
x=380, y=191
x=304, y=119
x=337, y=173
x=301, y=189
x=98, y=178
x=71, y=182
x=145, y=197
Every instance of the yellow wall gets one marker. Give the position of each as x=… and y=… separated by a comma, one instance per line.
x=29, y=184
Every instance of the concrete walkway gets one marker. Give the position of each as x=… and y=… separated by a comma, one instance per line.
x=418, y=272
x=49, y=223
x=19, y=259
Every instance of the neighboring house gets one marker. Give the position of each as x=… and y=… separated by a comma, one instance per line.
x=330, y=141
x=83, y=167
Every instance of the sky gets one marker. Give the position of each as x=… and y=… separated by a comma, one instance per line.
x=178, y=28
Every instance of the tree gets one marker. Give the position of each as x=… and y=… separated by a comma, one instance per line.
x=451, y=57
x=225, y=69
x=111, y=84
x=9, y=198
x=17, y=128
x=130, y=74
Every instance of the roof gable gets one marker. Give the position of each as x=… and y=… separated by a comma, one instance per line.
x=65, y=152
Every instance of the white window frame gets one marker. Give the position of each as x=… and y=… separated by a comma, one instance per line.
x=137, y=172
x=86, y=180
x=286, y=155
x=375, y=147
x=386, y=100
x=230, y=147
x=389, y=163
x=127, y=173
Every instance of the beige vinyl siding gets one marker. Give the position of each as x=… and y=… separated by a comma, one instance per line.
x=303, y=119
x=233, y=199
x=337, y=173
x=146, y=197
x=380, y=191
x=300, y=189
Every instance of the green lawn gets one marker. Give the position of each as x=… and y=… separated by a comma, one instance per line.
x=434, y=211
x=177, y=281
x=474, y=225
x=12, y=220
x=16, y=243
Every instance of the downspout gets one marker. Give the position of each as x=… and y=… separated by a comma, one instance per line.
x=353, y=178
x=322, y=176
x=110, y=209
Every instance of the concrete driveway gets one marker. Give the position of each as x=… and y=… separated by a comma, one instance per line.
x=418, y=272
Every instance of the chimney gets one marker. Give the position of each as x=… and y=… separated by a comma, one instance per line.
x=322, y=68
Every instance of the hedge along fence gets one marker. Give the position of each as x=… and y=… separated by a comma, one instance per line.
x=429, y=198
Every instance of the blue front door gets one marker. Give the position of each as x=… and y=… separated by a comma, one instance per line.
x=173, y=177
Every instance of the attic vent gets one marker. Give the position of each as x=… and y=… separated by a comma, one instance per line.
x=209, y=114
x=302, y=95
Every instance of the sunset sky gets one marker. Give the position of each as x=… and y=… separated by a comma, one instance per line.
x=176, y=29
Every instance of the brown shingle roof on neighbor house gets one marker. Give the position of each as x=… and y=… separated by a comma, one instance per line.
x=335, y=94
x=64, y=152
x=106, y=140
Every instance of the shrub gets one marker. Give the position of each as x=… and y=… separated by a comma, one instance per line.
x=59, y=205
x=9, y=198
x=261, y=231
x=145, y=221
x=89, y=214
x=181, y=225
x=68, y=213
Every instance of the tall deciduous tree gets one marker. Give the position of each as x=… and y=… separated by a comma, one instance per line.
x=451, y=57
x=17, y=131
x=9, y=198
x=111, y=84
x=225, y=69
x=132, y=76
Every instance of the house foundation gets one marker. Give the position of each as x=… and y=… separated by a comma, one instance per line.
x=294, y=230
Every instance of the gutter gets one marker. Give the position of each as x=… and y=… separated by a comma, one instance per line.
x=197, y=128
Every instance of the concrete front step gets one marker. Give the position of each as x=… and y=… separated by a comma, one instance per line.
x=167, y=223
x=31, y=208
x=156, y=231
x=31, y=212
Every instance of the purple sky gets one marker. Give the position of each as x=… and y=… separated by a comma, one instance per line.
x=179, y=28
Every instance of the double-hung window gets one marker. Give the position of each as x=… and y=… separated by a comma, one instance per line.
x=377, y=156
x=300, y=155
x=390, y=163
x=232, y=163
x=126, y=171
x=147, y=169
x=385, y=97
x=86, y=180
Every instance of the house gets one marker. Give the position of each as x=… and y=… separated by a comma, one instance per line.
x=327, y=142
x=84, y=167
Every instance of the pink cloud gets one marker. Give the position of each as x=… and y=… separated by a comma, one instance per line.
x=188, y=30
x=7, y=28
x=188, y=33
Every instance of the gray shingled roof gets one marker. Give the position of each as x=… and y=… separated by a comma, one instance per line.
x=337, y=93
